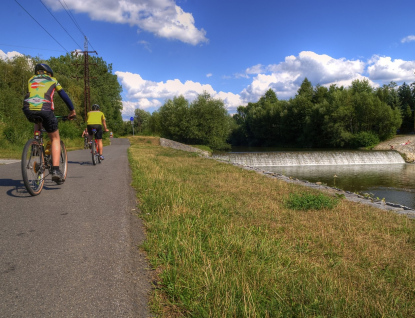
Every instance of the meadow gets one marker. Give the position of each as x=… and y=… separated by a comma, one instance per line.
x=227, y=242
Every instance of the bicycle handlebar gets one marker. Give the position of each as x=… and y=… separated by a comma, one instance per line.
x=65, y=118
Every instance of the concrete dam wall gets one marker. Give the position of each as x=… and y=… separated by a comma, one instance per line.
x=304, y=158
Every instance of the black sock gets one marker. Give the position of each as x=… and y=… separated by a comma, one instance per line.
x=55, y=168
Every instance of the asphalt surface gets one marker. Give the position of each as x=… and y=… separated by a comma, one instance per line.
x=72, y=250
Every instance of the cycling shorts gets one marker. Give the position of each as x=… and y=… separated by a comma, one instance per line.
x=49, y=121
x=98, y=128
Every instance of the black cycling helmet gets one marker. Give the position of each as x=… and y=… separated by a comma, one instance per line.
x=95, y=107
x=43, y=67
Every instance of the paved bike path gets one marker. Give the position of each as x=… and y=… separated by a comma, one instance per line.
x=72, y=250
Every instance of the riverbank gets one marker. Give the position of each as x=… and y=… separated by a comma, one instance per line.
x=404, y=144
x=224, y=242
x=350, y=196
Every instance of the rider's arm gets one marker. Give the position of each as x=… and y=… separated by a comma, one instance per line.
x=104, y=124
x=66, y=99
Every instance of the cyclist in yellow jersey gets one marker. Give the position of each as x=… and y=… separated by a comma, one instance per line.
x=96, y=119
x=38, y=103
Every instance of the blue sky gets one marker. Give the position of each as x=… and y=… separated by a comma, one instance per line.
x=234, y=49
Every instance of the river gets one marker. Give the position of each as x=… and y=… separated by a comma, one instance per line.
x=395, y=182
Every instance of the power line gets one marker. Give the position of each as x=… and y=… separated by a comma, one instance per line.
x=28, y=47
x=66, y=8
x=59, y=23
x=41, y=25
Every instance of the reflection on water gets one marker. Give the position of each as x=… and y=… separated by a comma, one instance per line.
x=394, y=182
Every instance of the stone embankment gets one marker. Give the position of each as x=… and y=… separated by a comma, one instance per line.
x=407, y=151
x=180, y=146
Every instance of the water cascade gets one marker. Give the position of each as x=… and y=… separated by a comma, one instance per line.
x=309, y=158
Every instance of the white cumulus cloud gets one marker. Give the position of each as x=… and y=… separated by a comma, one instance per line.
x=284, y=78
x=256, y=69
x=143, y=103
x=9, y=55
x=146, y=94
x=160, y=17
x=139, y=88
x=386, y=69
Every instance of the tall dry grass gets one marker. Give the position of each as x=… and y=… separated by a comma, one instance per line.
x=224, y=243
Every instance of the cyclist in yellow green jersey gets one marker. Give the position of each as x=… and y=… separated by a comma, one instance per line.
x=95, y=120
x=38, y=103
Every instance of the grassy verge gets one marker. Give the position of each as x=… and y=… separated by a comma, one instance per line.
x=14, y=151
x=226, y=242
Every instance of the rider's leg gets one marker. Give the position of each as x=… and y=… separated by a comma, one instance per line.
x=55, y=147
x=100, y=146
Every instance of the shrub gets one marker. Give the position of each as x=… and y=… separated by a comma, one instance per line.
x=364, y=139
x=18, y=133
x=308, y=201
x=69, y=130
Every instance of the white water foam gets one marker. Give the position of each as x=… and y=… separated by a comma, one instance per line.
x=301, y=158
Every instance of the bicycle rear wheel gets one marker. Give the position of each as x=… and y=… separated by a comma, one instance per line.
x=94, y=151
x=63, y=161
x=32, y=167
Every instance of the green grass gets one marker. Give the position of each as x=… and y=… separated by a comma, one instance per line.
x=308, y=201
x=224, y=243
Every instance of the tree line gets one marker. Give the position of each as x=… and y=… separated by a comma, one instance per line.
x=205, y=121
x=357, y=116
x=319, y=117
x=349, y=117
x=68, y=69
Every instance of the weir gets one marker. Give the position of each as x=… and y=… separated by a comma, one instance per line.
x=309, y=158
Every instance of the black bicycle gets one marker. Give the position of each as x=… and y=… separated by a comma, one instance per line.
x=96, y=158
x=37, y=160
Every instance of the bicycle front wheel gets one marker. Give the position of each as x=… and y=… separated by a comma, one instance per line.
x=33, y=167
x=94, y=151
x=63, y=161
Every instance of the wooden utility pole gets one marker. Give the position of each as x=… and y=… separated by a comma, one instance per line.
x=87, y=97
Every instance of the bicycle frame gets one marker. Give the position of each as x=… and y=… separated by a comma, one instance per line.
x=36, y=161
x=47, y=158
x=95, y=148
